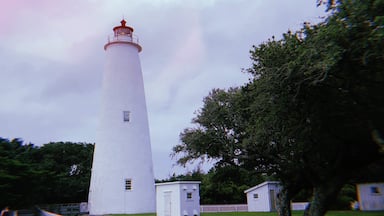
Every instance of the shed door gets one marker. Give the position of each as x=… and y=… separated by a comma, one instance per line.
x=167, y=203
x=272, y=199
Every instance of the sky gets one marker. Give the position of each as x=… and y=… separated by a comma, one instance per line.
x=52, y=59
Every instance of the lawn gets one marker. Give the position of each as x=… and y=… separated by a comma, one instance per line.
x=294, y=213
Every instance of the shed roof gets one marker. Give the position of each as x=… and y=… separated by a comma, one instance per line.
x=261, y=185
x=370, y=183
x=178, y=182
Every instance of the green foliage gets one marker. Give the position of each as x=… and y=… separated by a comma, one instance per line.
x=313, y=114
x=17, y=174
x=218, y=136
x=196, y=175
x=68, y=169
x=226, y=185
x=218, y=132
x=54, y=173
x=346, y=196
x=317, y=112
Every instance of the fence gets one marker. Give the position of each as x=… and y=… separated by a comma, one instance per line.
x=80, y=208
x=66, y=208
x=299, y=205
x=244, y=207
x=224, y=208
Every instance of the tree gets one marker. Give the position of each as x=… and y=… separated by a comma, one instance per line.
x=54, y=173
x=220, y=129
x=218, y=132
x=268, y=146
x=67, y=168
x=313, y=114
x=316, y=98
x=18, y=176
x=226, y=185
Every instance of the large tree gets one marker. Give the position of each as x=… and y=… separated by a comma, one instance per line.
x=18, y=175
x=219, y=131
x=317, y=103
x=217, y=136
x=53, y=173
x=313, y=112
x=67, y=168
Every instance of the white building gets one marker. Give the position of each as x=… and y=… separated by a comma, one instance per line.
x=371, y=196
x=180, y=198
x=122, y=180
x=262, y=197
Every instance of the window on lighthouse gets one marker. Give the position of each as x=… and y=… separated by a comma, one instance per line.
x=126, y=115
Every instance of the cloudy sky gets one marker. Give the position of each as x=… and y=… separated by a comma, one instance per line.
x=51, y=61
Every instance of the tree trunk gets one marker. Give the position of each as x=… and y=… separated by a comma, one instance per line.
x=283, y=203
x=318, y=204
x=323, y=196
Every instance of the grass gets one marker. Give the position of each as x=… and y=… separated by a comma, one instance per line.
x=355, y=213
x=294, y=213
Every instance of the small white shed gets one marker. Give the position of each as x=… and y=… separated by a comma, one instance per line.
x=180, y=198
x=370, y=196
x=262, y=197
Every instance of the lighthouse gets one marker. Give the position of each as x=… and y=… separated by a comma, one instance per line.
x=122, y=180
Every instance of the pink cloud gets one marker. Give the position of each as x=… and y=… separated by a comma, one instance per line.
x=18, y=14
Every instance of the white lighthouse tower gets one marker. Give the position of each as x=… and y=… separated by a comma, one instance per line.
x=122, y=180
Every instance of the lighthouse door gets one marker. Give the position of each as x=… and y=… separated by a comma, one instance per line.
x=168, y=203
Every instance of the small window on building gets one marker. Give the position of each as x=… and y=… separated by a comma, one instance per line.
x=126, y=116
x=128, y=184
x=375, y=190
x=189, y=195
x=255, y=196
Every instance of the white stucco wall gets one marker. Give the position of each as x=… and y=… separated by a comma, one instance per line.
x=371, y=196
x=123, y=149
x=172, y=200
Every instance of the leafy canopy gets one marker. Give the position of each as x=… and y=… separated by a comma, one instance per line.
x=313, y=113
